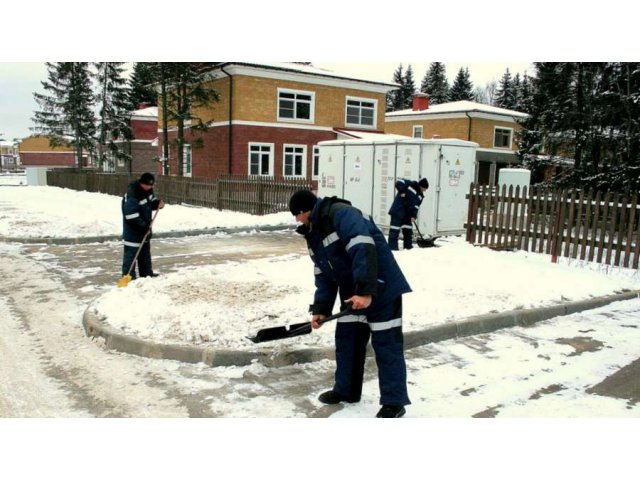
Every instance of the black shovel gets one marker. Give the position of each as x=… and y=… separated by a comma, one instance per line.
x=425, y=242
x=278, y=333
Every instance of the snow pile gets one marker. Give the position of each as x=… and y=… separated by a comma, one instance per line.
x=219, y=305
x=59, y=212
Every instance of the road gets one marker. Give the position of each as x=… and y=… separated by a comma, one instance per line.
x=50, y=368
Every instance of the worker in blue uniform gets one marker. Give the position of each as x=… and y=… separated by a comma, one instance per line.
x=404, y=211
x=137, y=207
x=351, y=257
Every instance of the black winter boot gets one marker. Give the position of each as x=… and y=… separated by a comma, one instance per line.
x=391, y=411
x=331, y=398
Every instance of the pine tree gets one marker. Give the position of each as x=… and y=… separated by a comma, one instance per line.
x=141, y=90
x=113, y=102
x=408, y=88
x=435, y=84
x=506, y=94
x=395, y=99
x=588, y=112
x=187, y=89
x=462, y=88
x=68, y=109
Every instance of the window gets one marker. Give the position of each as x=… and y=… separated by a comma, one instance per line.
x=295, y=105
x=316, y=162
x=502, y=137
x=361, y=112
x=261, y=159
x=417, y=131
x=186, y=161
x=295, y=161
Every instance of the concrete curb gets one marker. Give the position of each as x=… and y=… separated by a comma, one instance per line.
x=477, y=324
x=117, y=238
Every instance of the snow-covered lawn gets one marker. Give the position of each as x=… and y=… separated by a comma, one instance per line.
x=219, y=305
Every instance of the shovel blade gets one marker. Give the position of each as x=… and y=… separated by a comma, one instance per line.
x=124, y=281
x=278, y=333
x=427, y=242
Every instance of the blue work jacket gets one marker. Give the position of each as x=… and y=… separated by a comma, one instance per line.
x=350, y=256
x=407, y=201
x=137, y=211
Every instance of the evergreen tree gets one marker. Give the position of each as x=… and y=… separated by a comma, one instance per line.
x=187, y=90
x=113, y=102
x=524, y=95
x=462, y=88
x=408, y=88
x=67, y=111
x=395, y=99
x=506, y=93
x=588, y=112
x=141, y=90
x=435, y=84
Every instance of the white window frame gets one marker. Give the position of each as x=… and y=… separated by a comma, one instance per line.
x=301, y=155
x=495, y=131
x=312, y=106
x=187, y=166
x=416, y=129
x=315, y=163
x=361, y=100
x=264, y=148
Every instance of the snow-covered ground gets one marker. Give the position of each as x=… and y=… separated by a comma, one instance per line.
x=219, y=305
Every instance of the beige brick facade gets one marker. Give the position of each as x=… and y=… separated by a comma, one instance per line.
x=255, y=99
x=479, y=130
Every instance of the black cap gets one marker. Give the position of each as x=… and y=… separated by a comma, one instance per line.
x=424, y=183
x=302, y=201
x=147, y=178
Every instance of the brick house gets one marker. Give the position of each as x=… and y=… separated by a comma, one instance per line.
x=271, y=116
x=492, y=128
x=143, y=147
x=35, y=151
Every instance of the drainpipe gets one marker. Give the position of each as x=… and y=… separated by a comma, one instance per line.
x=477, y=168
x=230, y=118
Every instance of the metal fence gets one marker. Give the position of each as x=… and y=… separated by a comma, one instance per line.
x=568, y=223
x=254, y=195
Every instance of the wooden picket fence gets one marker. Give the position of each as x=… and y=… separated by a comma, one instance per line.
x=254, y=195
x=567, y=223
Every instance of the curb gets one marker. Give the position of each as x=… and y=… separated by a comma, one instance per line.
x=112, y=238
x=477, y=324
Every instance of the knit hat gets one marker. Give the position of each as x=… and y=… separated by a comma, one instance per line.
x=302, y=201
x=147, y=178
x=424, y=183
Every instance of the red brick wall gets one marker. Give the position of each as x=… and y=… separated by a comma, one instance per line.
x=144, y=129
x=212, y=159
x=48, y=159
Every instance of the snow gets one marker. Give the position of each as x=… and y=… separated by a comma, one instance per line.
x=220, y=305
x=459, y=106
x=217, y=305
x=69, y=213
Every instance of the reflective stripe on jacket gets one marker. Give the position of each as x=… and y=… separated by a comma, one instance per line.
x=137, y=211
x=350, y=255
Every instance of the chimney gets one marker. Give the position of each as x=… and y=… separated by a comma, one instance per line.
x=142, y=106
x=420, y=101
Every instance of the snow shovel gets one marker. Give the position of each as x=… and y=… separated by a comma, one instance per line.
x=278, y=333
x=425, y=242
x=124, y=281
